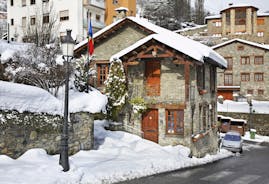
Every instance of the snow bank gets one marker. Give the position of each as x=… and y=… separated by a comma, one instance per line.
x=120, y=156
x=7, y=50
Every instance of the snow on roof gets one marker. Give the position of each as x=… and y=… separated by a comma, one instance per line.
x=263, y=14
x=213, y=17
x=239, y=5
x=122, y=9
x=242, y=41
x=190, y=28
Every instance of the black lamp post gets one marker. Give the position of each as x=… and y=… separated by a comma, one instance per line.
x=249, y=100
x=68, y=49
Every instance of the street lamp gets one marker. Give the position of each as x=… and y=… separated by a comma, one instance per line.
x=68, y=49
x=249, y=100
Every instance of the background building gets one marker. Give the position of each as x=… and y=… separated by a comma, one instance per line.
x=111, y=5
x=240, y=21
x=69, y=14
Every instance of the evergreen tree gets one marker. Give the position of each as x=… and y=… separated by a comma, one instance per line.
x=116, y=89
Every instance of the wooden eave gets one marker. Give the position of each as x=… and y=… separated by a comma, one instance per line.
x=110, y=32
x=239, y=7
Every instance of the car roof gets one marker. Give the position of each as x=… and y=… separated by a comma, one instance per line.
x=233, y=133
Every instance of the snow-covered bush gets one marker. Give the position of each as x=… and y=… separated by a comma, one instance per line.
x=82, y=73
x=139, y=105
x=116, y=89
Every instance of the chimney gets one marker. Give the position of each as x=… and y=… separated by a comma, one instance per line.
x=121, y=12
x=230, y=4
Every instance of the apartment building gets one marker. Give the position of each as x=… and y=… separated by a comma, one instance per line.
x=240, y=21
x=112, y=5
x=247, y=71
x=69, y=14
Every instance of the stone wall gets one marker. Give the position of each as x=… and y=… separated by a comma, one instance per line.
x=260, y=122
x=23, y=131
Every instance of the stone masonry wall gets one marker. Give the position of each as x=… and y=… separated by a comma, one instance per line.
x=260, y=122
x=23, y=131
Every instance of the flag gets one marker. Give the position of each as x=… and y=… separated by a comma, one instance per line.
x=90, y=39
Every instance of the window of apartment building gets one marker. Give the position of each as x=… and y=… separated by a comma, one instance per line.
x=23, y=2
x=45, y=1
x=258, y=60
x=32, y=20
x=115, y=1
x=102, y=73
x=250, y=91
x=240, y=17
x=240, y=47
x=229, y=63
x=46, y=18
x=217, y=23
x=23, y=21
x=32, y=1
x=260, y=92
x=12, y=22
x=260, y=21
x=64, y=15
x=228, y=79
x=217, y=35
x=98, y=18
x=258, y=77
x=245, y=60
x=174, y=121
x=260, y=34
x=245, y=77
x=11, y=2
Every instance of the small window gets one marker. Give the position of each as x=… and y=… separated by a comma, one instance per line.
x=258, y=77
x=260, y=21
x=174, y=121
x=260, y=92
x=258, y=60
x=23, y=22
x=260, y=34
x=102, y=73
x=98, y=18
x=32, y=2
x=46, y=19
x=245, y=77
x=217, y=24
x=45, y=1
x=240, y=47
x=228, y=79
x=11, y=3
x=64, y=15
x=245, y=60
x=250, y=91
x=32, y=20
x=12, y=22
x=23, y=3
x=229, y=63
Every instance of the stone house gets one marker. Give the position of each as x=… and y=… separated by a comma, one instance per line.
x=240, y=21
x=174, y=75
x=247, y=71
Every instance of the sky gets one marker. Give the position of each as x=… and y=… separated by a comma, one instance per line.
x=215, y=6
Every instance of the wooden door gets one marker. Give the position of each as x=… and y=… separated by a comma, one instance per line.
x=150, y=125
x=153, y=73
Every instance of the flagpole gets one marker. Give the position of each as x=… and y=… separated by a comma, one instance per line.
x=87, y=63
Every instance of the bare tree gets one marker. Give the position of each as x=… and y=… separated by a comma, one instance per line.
x=199, y=12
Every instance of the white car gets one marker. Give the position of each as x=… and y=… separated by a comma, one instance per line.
x=232, y=141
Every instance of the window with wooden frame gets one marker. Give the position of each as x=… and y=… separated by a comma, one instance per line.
x=260, y=92
x=240, y=47
x=260, y=21
x=258, y=77
x=228, y=79
x=217, y=23
x=258, y=60
x=250, y=91
x=260, y=33
x=32, y=21
x=64, y=15
x=229, y=63
x=102, y=73
x=200, y=77
x=174, y=122
x=46, y=19
x=240, y=17
x=245, y=60
x=245, y=77
x=97, y=18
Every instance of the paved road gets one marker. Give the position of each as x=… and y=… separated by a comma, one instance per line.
x=251, y=167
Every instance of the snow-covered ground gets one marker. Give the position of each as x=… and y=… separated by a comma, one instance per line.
x=259, y=107
x=119, y=156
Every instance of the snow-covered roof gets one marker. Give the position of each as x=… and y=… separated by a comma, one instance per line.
x=213, y=17
x=262, y=14
x=122, y=9
x=239, y=5
x=242, y=41
x=183, y=44
x=190, y=28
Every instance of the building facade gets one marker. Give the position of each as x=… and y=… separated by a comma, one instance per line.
x=3, y=24
x=247, y=70
x=180, y=92
x=240, y=21
x=111, y=5
x=68, y=14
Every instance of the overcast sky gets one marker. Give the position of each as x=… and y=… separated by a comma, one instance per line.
x=214, y=6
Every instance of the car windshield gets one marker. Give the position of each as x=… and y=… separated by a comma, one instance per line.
x=230, y=137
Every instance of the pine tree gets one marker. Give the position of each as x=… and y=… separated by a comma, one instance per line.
x=116, y=89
